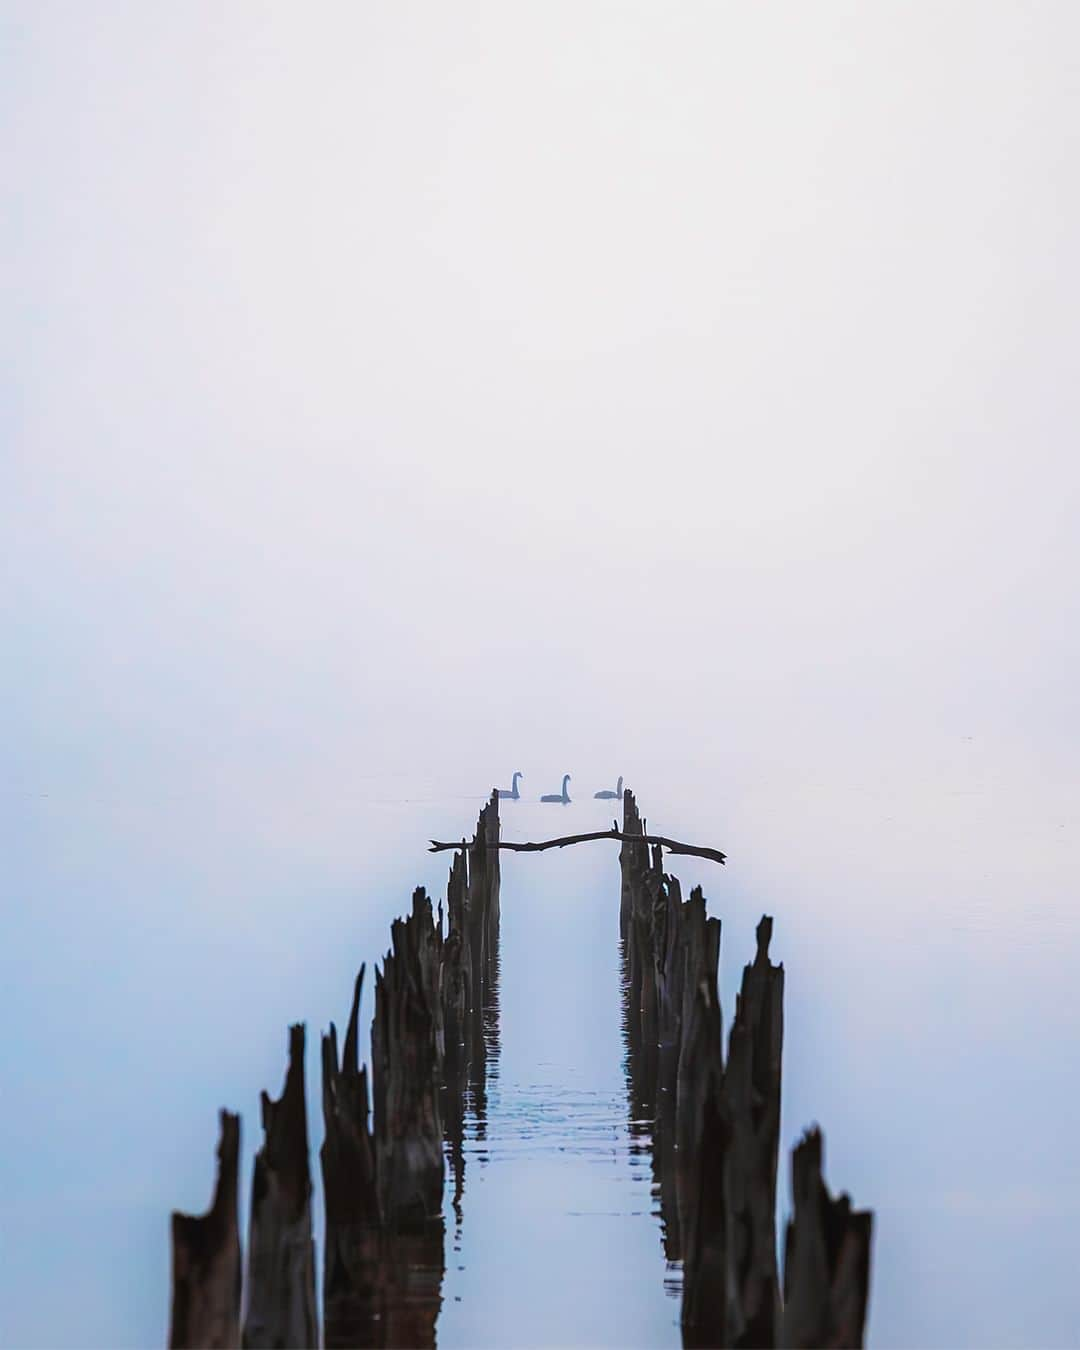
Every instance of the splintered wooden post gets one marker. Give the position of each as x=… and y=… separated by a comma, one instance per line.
x=407, y=1047
x=633, y=859
x=642, y=883
x=456, y=963
x=206, y=1260
x=669, y=968
x=487, y=841
x=702, y=1132
x=752, y=1099
x=826, y=1259
x=351, y=1304
x=281, y=1256
x=482, y=928
x=700, y=1050
x=706, y=1239
x=728, y=1130
x=457, y=1005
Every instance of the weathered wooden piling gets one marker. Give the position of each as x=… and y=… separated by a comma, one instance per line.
x=281, y=1255
x=700, y=1061
x=470, y=963
x=348, y=1151
x=457, y=1021
x=205, y=1312
x=640, y=890
x=482, y=931
x=826, y=1259
x=633, y=859
x=731, y=1283
x=352, y=1293
x=751, y=1091
x=407, y=1062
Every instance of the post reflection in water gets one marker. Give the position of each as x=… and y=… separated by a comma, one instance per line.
x=651, y=1105
x=471, y=1063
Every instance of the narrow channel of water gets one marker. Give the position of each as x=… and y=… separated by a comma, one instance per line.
x=557, y=1238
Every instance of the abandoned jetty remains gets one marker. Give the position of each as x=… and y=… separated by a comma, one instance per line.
x=715, y=1136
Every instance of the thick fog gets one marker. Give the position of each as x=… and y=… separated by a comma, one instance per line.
x=400, y=395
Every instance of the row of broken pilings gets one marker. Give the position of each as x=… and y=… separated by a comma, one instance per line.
x=716, y=1130
x=383, y=1165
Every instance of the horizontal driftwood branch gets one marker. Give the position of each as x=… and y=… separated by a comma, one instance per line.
x=672, y=845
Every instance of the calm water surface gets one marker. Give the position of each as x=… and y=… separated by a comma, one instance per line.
x=557, y=1239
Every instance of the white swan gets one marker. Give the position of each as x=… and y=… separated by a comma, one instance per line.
x=511, y=793
x=562, y=796
x=607, y=795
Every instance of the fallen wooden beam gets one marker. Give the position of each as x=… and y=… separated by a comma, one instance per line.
x=672, y=845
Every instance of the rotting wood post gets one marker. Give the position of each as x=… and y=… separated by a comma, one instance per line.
x=281, y=1255
x=700, y=1049
x=703, y=1133
x=484, y=879
x=457, y=995
x=826, y=1259
x=487, y=831
x=641, y=882
x=669, y=962
x=351, y=1288
x=407, y=1049
x=457, y=1025
x=482, y=929
x=706, y=1240
x=751, y=1093
x=729, y=1137
x=633, y=859
x=205, y=1312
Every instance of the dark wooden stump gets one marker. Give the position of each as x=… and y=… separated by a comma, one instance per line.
x=281, y=1254
x=352, y=1298
x=751, y=1092
x=703, y=1133
x=457, y=1024
x=826, y=1259
x=206, y=1260
x=700, y=1064
x=407, y=1047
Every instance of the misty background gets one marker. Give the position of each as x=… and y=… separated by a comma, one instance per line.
x=399, y=395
